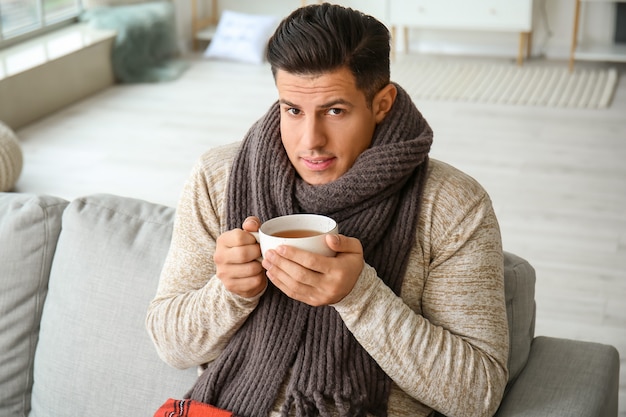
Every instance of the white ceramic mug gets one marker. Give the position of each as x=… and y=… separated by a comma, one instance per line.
x=304, y=231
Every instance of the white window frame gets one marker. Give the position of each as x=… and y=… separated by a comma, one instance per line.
x=43, y=25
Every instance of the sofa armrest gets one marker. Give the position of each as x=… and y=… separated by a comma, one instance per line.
x=565, y=378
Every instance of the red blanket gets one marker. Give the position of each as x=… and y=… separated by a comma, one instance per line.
x=190, y=408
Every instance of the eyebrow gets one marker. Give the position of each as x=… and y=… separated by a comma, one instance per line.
x=327, y=105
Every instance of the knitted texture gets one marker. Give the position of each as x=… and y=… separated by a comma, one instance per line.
x=377, y=201
x=10, y=158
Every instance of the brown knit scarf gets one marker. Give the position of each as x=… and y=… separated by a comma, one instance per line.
x=377, y=201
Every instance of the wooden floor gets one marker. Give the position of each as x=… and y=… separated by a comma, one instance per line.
x=557, y=177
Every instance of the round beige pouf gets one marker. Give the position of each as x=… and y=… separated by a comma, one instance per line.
x=10, y=158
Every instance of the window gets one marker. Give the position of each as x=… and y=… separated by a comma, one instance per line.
x=23, y=18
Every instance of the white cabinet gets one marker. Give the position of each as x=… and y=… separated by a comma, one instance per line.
x=484, y=15
x=594, y=52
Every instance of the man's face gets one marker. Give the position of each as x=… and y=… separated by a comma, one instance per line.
x=325, y=123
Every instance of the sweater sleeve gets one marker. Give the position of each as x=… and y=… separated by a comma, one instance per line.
x=193, y=316
x=445, y=341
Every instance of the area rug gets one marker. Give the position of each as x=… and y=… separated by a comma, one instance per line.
x=505, y=83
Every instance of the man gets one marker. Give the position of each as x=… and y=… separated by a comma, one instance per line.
x=407, y=318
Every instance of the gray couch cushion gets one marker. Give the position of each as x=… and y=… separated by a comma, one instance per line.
x=519, y=287
x=29, y=228
x=95, y=357
x=565, y=378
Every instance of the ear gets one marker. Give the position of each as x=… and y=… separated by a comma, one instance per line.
x=383, y=102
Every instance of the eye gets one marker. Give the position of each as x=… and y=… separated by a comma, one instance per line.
x=335, y=111
x=293, y=111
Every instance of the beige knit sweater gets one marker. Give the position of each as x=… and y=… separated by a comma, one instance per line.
x=444, y=343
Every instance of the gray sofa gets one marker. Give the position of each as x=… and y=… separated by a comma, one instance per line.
x=75, y=282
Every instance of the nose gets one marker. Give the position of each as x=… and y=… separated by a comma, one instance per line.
x=312, y=135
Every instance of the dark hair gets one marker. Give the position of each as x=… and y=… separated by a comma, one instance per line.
x=320, y=38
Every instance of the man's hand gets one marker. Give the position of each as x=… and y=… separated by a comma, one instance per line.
x=236, y=263
x=316, y=279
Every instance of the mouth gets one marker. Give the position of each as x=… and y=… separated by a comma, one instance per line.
x=317, y=163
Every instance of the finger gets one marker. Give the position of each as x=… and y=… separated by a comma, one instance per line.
x=235, y=247
x=300, y=258
x=296, y=264
x=341, y=243
x=247, y=286
x=251, y=224
x=237, y=271
x=243, y=254
x=236, y=237
x=293, y=286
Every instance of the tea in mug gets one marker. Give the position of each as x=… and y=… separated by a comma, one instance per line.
x=296, y=233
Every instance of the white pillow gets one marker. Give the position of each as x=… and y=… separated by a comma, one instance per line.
x=241, y=37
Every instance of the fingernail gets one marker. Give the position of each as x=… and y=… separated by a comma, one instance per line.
x=252, y=221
